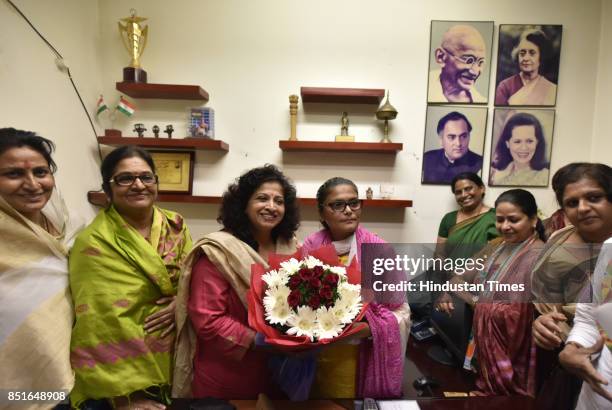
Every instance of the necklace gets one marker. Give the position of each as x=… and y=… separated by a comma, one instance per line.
x=45, y=222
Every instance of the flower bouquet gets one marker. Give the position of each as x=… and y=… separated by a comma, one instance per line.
x=305, y=301
x=301, y=303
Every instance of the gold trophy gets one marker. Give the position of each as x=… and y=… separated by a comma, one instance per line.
x=293, y=109
x=134, y=37
x=344, y=126
x=386, y=112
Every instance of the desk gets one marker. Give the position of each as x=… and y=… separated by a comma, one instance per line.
x=458, y=403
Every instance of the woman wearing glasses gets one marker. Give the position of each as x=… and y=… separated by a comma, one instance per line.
x=124, y=270
x=378, y=361
x=529, y=86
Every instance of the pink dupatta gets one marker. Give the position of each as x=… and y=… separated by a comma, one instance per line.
x=380, y=359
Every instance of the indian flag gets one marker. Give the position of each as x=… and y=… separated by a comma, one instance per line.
x=125, y=107
x=101, y=106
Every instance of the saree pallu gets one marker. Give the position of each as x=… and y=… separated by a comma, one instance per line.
x=502, y=323
x=116, y=276
x=35, y=306
x=469, y=236
x=562, y=274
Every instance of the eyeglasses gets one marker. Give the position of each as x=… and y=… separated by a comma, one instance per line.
x=340, y=206
x=147, y=179
x=467, y=59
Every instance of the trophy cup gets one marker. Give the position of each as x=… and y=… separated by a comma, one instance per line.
x=386, y=112
x=344, y=125
x=134, y=38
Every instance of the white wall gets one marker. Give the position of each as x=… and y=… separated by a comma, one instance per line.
x=251, y=55
x=601, y=149
x=37, y=96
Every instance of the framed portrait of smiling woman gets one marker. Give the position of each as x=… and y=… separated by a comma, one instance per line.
x=528, y=65
x=459, y=62
x=521, y=147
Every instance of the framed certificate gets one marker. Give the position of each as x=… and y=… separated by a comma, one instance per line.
x=175, y=171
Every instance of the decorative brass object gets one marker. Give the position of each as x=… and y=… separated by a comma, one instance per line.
x=293, y=108
x=140, y=129
x=156, y=131
x=169, y=130
x=344, y=126
x=134, y=37
x=386, y=112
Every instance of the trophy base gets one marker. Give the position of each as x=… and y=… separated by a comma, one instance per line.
x=345, y=138
x=112, y=133
x=134, y=75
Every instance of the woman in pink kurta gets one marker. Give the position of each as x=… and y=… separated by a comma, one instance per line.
x=374, y=366
x=216, y=355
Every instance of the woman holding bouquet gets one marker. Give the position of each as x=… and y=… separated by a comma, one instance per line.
x=215, y=354
x=372, y=367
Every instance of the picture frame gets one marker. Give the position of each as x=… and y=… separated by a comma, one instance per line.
x=528, y=57
x=452, y=80
x=445, y=153
x=174, y=170
x=521, y=147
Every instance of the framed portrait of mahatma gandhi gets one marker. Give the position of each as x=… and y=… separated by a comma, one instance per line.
x=454, y=142
x=521, y=147
x=459, y=62
x=528, y=65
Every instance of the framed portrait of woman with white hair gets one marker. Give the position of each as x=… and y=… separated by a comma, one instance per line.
x=528, y=65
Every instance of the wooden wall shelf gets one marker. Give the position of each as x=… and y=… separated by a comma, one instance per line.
x=99, y=199
x=163, y=143
x=342, y=95
x=165, y=91
x=332, y=146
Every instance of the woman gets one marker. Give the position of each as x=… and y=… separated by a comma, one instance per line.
x=585, y=354
x=216, y=355
x=377, y=362
x=36, y=309
x=529, y=86
x=124, y=271
x=465, y=231
x=503, y=316
x=561, y=276
x=520, y=155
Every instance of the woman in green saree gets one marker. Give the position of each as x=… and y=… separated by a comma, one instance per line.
x=465, y=231
x=124, y=270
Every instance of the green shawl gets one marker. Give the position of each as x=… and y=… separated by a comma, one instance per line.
x=116, y=276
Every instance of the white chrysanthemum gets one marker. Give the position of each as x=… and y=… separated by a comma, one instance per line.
x=275, y=296
x=291, y=266
x=273, y=279
x=303, y=323
x=343, y=312
x=311, y=262
x=328, y=325
x=338, y=270
x=280, y=314
x=350, y=296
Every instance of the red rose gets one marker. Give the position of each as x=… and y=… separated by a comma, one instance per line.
x=294, y=282
x=326, y=292
x=315, y=283
x=294, y=298
x=318, y=271
x=314, y=301
x=306, y=274
x=332, y=279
